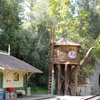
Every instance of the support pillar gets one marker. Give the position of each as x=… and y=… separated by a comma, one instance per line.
x=69, y=89
x=59, y=79
x=75, y=82
x=54, y=79
x=62, y=79
x=66, y=79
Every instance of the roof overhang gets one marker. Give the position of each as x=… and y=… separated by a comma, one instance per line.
x=2, y=68
x=21, y=70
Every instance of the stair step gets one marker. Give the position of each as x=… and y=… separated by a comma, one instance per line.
x=50, y=62
x=49, y=92
x=49, y=86
x=50, y=68
x=50, y=80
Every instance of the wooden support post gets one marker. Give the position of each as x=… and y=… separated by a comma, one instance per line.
x=59, y=79
x=66, y=79
x=62, y=79
x=54, y=79
x=29, y=76
x=75, y=82
x=72, y=69
x=69, y=68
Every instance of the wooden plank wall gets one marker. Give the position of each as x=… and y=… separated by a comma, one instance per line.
x=61, y=54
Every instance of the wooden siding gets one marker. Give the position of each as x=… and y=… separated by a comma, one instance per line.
x=8, y=79
x=61, y=54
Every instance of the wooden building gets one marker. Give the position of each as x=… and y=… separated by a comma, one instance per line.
x=65, y=61
x=14, y=72
x=66, y=52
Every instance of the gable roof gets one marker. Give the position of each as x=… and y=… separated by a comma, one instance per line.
x=12, y=63
x=66, y=42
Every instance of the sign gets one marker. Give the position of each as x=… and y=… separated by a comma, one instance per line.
x=72, y=54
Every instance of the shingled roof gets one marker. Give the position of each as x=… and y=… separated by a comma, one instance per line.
x=66, y=42
x=12, y=63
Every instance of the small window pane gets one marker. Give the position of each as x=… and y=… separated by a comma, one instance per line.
x=16, y=76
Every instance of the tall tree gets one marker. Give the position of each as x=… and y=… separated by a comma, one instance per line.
x=9, y=22
x=67, y=23
x=39, y=25
x=75, y=27
x=91, y=33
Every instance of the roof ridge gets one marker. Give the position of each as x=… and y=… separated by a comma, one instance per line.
x=66, y=41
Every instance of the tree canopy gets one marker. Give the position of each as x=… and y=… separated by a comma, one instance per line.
x=28, y=31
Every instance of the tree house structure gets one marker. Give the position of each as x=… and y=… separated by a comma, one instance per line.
x=65, y=59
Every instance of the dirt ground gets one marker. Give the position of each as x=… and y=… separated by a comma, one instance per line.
x=35, y=97
x=49, y=97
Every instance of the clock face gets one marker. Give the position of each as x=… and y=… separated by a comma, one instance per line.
x=72, y=54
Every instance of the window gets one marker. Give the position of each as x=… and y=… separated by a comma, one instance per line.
x=16, y=76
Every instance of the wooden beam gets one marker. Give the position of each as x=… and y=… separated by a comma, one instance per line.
x=60, y=75
x=71, y=88
x=29, y=76
x=82, y=61
x=66, y=79
x=54, y=91
x=69, y=69
x=8, y=72
x=62, y=81
x=24, y=73
x=59, y=79
x=75, y=81
x=72, y=69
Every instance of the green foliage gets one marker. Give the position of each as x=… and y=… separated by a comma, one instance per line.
x=67, y=23
x=9, y=22
x=39, y=26
x=90, y=36
x=39, y=90
x=29, y=36
x=82, y=28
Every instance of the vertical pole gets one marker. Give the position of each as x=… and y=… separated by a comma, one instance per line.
x=66, y=79
x=9, y=49
x=52, y=65
x=50, y=35
x=63, y=74
x=52, y=82
x=49, y=80
x=54, y=79
x=75, y=82
x=69, y=79
x=59, y=79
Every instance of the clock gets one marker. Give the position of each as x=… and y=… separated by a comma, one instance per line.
x=72, y=54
